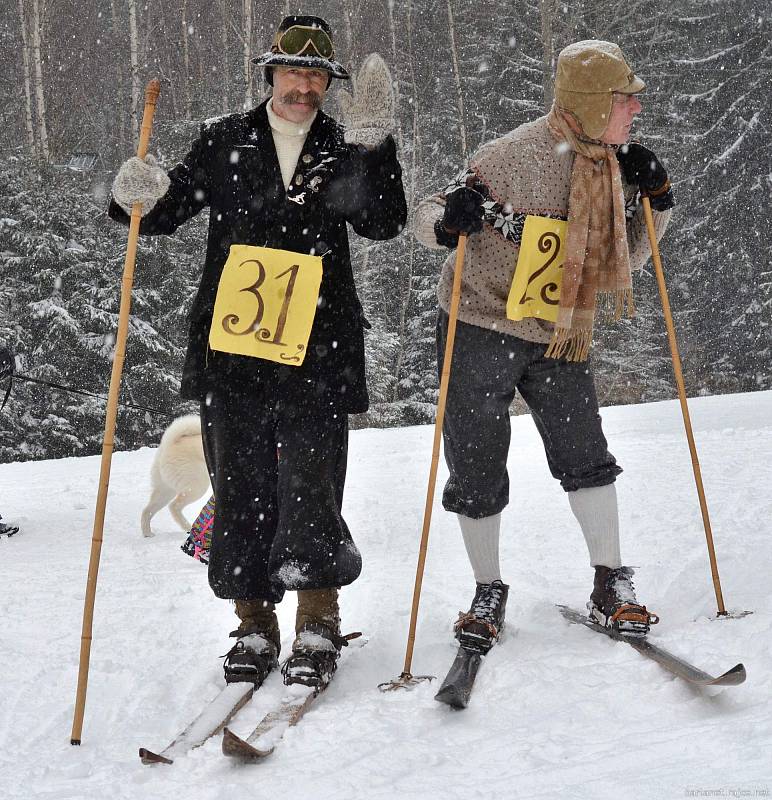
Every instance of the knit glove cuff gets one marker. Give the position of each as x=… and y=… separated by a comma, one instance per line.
x=368, y=113
x=140, y=181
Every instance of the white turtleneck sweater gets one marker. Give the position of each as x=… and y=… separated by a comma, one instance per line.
x=288, y=138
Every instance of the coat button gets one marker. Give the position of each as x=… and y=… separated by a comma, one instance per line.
x=307, y=158
x=298, y=180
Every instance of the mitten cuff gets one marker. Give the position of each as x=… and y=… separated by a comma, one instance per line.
x=368, y=135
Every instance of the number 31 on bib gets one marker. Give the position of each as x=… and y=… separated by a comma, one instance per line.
x=266, y=302
x=535, y=290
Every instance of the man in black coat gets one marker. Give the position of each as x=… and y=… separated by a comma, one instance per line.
x=276, y=347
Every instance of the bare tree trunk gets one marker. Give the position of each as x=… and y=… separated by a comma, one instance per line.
x=122, y=148
x=346, y=14
x=395, y=66
x=170, y=92
x=186, y=57
x=226, y=74
x=457, y=76
x=247, y=53
x=135, y=87
x=407, y=294
x=39, y=95
x=547, y=9
x=28, y=123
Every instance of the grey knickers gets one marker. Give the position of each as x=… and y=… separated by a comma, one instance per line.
x=487, y=368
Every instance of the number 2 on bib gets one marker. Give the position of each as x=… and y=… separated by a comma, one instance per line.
x=535, y=290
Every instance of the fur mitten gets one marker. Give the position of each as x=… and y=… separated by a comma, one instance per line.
x=140, y=181
x=368, y=113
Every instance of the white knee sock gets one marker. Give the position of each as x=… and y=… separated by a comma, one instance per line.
x=596, y=511
x=481, y=538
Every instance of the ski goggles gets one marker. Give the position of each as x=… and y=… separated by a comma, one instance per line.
x=296, y=41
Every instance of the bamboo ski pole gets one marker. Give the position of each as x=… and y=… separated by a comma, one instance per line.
x=407, y=678
x=152, y=91
x=671, y=335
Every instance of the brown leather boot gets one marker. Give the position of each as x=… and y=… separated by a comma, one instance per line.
x=317, y=644
x=258, y=615
x=479, y=628
x=258, y=642
x=614, y=605
x=319, y=606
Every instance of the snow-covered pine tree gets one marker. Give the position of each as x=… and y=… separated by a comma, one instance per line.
x=61, y=261
x=719, y=102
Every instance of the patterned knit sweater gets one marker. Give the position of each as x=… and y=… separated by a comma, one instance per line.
x=525, y=171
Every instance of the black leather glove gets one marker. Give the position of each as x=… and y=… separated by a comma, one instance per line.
x=444, y=238
x=641, y=167
x=463, y=212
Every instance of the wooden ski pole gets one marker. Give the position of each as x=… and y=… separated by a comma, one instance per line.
x=407, y=678
x=151, y=96
x=671, y=335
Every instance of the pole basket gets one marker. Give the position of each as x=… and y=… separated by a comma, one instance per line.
x=405, y=681
x=731, y=615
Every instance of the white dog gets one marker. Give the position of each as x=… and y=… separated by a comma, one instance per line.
x=178, y=475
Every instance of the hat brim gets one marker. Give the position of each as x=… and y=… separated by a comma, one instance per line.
x=636, y=85
x=271, y=59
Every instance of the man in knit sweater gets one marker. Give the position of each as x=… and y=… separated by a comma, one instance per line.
x=554, y=224
x=276, y=345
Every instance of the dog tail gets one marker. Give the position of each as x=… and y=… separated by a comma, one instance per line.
x=188, y=425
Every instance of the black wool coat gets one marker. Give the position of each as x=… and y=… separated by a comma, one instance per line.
x=233, y=169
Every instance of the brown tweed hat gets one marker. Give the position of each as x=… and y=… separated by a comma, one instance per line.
x=588, y=73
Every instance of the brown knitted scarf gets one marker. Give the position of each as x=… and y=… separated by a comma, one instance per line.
x=597, y=261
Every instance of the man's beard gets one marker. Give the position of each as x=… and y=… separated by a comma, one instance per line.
x=295, y=96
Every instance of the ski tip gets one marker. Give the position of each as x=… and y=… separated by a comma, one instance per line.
x=149, y=757
x=452, y=696
x=235, y=747
x=732, y=677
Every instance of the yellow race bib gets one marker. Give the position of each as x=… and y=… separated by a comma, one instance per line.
x=266, y=302
x=535, y=290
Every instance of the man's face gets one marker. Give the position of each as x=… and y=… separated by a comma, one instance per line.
x=624, y=108
x=298, y=92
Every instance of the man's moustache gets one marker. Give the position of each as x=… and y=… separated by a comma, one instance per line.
x=311, y=98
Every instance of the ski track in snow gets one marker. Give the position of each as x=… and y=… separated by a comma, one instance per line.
x=557, y=711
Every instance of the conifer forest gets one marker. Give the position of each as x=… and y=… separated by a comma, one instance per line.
x=72, y=78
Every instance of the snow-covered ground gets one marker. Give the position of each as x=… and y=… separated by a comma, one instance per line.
x=557, y=711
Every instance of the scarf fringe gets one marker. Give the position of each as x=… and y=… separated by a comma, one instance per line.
x=616, y=304
x=573, y=345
